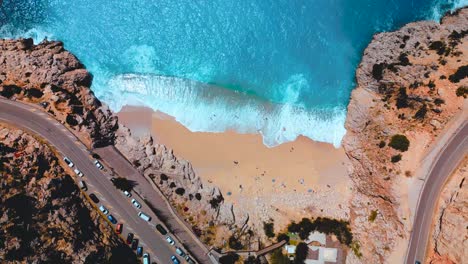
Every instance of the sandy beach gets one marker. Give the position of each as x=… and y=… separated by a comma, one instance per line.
x=289, y=177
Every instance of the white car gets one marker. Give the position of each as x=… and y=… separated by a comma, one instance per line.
x=98, y=164
x=78, y=172
x=103, y=209
x=68, y=161
x=170, y=240
x=128, y=194
x=144, y=216
x=136, y=204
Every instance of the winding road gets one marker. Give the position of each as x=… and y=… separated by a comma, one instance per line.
x=446, y=162
x=36, y=121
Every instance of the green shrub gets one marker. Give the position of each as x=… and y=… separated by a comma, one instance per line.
x=301, y=253
x=230, y=258
x=382, y=144
x=180, y=191
x=377, y=71
x=460, y=74
x=399, y=142
x=328, y=226
x=402, y=98
x=277, y=257
x=462, y=91
x=439, y=101
x=396, y=158
x=282, y=237
x=372, y=216
x=234, y=243
x=269, y=229
x=421, y=113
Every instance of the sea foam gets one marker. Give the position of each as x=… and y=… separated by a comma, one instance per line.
x=207, y=108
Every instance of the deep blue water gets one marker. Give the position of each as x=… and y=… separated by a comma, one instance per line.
x=281, y=68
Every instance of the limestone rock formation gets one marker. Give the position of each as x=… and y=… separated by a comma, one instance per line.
x=44, y=218
x=404, y=86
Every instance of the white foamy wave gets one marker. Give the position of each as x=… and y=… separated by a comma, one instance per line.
x=206, y=108
x=37, y=34
x=437, y=13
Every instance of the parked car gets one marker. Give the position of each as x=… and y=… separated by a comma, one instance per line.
x=139, y=251
x=83, y=186
x=136, y=204
x=78, y=172
x=112, y=219
x=180, y=252
x=189, y=260
x=68, y=162
x=161, y=229
x=175, y=260
x=134, y=243
x=119, y=228
x=94, y=198
x=98, y=164
x=129, y=238
x=144, y=216
x=146, y=258
x=170, y=240
x=103, y=209
x=128, y=194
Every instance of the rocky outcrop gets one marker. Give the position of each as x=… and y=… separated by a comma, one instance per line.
x=450, y=238
x=49, y=74
x=44, y=218
x=403, y=87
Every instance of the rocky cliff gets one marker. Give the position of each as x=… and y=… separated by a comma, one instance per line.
x=48, y=74
x=449, y=239
x=410, y=85
x=44, y=218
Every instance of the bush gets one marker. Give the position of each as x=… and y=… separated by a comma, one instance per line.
x=421, y=113
x=215, y=201
x=399, y=142
x=180, y=191
x=277, y=257
x=230, y=258
x=382, y=144
x=339, y=228
x=198, y=196
x=402, y=98
x=282, y=237
x=123, y=184
x=301, y=253
x=438, y=46
x=234, y=243
x=396, y=158
x=164, y=177
x=372, y=216
x=462, y=91
x=269, y=229
x=377, y=71
x=439, y=101
x=460, y=74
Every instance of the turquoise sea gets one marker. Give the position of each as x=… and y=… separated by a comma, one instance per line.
x=281, y=68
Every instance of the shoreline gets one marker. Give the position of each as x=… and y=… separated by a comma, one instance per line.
x=288, y=178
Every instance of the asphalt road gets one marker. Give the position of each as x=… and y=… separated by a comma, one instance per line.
x=444, y=165
x=38, y=122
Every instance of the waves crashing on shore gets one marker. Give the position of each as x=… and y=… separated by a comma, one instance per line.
x=279, y=68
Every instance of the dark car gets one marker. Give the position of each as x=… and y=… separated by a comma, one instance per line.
x=134, y=244
x=189, y=260
x=112, y=219
x=94, y=198
x=129, y=238
x=139, y=251
x=161, y=229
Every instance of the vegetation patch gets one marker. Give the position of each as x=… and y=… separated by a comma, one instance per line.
x=399, y=142
x=460, y=74
x=396, y=158
x=372, y=216
x=339, y=228
x=269, y=229
x=462, y=91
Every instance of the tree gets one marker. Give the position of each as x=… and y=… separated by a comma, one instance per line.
x=399, y=142
x=460, y=74
x=180, y=191
x=269, y=230
x=282, y=237
x=277, y=257
x=396, y=158
x=234, y=243
x=301, y=253
x=123, y=184
x=229, y=258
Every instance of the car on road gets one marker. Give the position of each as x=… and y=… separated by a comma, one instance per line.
x=98, y=164
x=180, y=252
x=139, y=251
x=112, y=219
x=103, y=209
x=83, y=186
x=68, y=162
x=78, y=172
x=119, y=228
x=170, y=240
x=417, y=262
x=136, y=203
x=127, y=193
x=134, y=243
x=189, y=260
x=161, y=229
x=129, y=238
x=146, y=258
x=175, y=260
x=144, y=216
x=94, y=198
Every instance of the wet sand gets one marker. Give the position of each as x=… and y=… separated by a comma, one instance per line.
x=239, y=164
